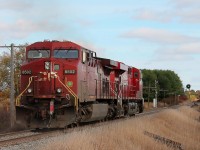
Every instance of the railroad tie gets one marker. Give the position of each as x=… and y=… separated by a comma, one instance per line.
x=170, y=143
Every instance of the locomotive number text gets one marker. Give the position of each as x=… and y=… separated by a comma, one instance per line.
x=26, y=72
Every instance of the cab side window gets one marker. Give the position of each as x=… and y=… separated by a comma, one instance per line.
x=88, y=56
x=136, y=75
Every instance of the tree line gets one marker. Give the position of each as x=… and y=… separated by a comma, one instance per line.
x=165, y=82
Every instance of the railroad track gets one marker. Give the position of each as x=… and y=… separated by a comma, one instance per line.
x=18, y=139
x=169, y=143
x=3, y=135
x=15, y=138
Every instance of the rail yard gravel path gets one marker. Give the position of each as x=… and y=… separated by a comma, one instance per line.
x=14, y=135
x=31, y=141
x=33, y=145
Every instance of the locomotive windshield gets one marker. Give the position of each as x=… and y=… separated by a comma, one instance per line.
x=38, y=53
x=66, y=53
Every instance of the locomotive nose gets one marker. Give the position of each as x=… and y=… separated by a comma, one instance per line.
x=42, y=84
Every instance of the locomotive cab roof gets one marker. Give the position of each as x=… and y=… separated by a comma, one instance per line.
x=44, y=49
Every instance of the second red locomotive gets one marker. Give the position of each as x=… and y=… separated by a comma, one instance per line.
x=63, y=83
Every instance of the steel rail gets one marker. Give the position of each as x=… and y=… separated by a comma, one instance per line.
x=25, y=139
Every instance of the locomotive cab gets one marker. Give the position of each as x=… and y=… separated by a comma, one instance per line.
x=47, y=68
x=48, y=83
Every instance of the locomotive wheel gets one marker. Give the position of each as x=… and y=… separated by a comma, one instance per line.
x=140, y=108
x=73, y=125
x=111, y=113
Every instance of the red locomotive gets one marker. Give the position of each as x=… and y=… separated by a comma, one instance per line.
x=63, y=83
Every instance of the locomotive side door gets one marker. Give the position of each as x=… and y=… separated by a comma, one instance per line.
x=91, y=76
x=83, y=72
x=89, y=73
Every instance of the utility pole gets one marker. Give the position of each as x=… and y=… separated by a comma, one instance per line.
x=162, y=90
x=175, y=98
x=12, y=88
x=155, y=100
x=148, y=94
x=178, y=98
x=164, y=98
x=149, y=88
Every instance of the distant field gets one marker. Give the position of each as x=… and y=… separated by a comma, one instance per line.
x=181, y=125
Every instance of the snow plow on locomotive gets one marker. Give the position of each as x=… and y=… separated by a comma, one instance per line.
x=63, y=83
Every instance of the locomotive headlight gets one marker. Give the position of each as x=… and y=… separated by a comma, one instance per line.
x=59, y=90
x=47, y=65
x=29, y=90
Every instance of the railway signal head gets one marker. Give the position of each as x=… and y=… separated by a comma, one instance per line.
x=188, y=86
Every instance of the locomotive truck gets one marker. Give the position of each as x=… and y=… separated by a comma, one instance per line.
x=63, y=83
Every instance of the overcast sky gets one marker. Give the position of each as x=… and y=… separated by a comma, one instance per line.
x=145, y=34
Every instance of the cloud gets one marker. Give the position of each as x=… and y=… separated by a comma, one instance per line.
x=17, y=5
x=181, y=53
x=170, y=55
x=22, y=18
x=189, y=48
x=88, y=45
x=153, y=15
x=22, y=28
x=188, y=15
x=183, y=11
x=187, y=10
x=171, y=46
x=195, y=84
x=84, y=22
x=158, y=36
x=185, y=3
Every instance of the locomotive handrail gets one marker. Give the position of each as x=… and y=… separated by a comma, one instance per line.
x=113, y=91
x=70, y=91
x=17, y=101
